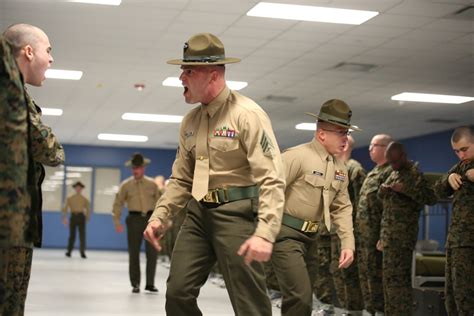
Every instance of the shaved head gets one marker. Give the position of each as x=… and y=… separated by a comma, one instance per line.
x=32, y=51
x=20, y=35
x=463, y=132
x=396, y=155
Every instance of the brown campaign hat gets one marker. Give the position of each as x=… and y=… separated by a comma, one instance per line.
x=203, y=49
x=336, y=112
x=137, y=160
x=78, y=183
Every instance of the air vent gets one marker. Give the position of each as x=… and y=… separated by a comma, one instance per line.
x=279, y=98
x=353, y=67
x=466, y=13
x=441, y=121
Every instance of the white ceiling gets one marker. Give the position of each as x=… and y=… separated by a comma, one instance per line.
x=414, y=43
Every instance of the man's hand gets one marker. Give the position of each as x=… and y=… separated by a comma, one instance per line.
x=256, y=248
x=470, y=175
x=379, y=245
x=397, y=187
x=384, y=187
x=65, y=221
x=346, y=258
x=119, y=228
x=455, y=181
x=154, y=232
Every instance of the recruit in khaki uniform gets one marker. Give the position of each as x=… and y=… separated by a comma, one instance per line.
x=229, y=161
x=80, y=213
x=316, y=194
x=140, y=193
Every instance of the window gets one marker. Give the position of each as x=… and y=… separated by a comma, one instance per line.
x=53, y=188
x=107, y=181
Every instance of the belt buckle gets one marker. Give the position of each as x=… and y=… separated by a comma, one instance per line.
x=211, y=197
x=310, y=227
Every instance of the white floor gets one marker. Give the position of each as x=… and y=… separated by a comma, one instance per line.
x=99, y=285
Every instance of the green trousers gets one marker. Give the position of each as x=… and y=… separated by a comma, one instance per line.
x=77, y=221
x=397, y=287
x=370, y=276
x=15, y=270
x=294, y=263
x=136, y=224
x=213, y=233
x=460, y=281
x=346, y=281
x=324, y=284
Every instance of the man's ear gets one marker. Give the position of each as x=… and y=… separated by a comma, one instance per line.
x=29, y=54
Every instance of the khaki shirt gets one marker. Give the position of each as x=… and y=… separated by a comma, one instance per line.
x=139, y=195
x=306, y=178
x=242, y=152
x=77, y=203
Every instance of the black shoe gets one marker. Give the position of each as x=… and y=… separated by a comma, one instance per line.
x=68, y=254
x=83, y=255
x=135, y=289
x=151, y=288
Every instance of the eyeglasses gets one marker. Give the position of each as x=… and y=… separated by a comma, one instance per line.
x=377, y=145
x=341, y=133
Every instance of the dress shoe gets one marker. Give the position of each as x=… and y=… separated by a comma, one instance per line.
x=68, y=254
x=83, y=255
x=135, y=289
x=151, y=288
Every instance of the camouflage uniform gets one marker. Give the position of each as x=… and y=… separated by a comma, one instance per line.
x=323, y=286
x=399, y=232
x=14, y=196
x=368, y=217
x=352, y=300
x=460, y=242
x=43, y=148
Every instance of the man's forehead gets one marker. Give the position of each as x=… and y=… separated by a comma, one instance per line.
x=463, y=142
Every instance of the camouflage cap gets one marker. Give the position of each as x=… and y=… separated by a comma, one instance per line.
x=203, y=49
x=336, y=112
x=137, y=160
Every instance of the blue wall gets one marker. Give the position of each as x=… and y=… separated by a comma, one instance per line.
x=434, y=154
x=100, y=230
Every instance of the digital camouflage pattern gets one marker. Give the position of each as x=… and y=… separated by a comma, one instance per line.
x=461, y=229
x=368, y=218
x=399, y=232
x=323, y=286
x=15, y=272
x=352, y=299
x=401, y=210
x=460, y=242
x=460, y=281
x=14, y=197
x=46, y=150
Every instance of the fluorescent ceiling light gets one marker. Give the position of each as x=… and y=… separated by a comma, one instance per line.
x=306, y=126
x=51, y=111
x=152, y=117
x=63, y=74
x=123, y=138
x=106, y=2
x=310, y=13
x=233, y=85
x=432, y=98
